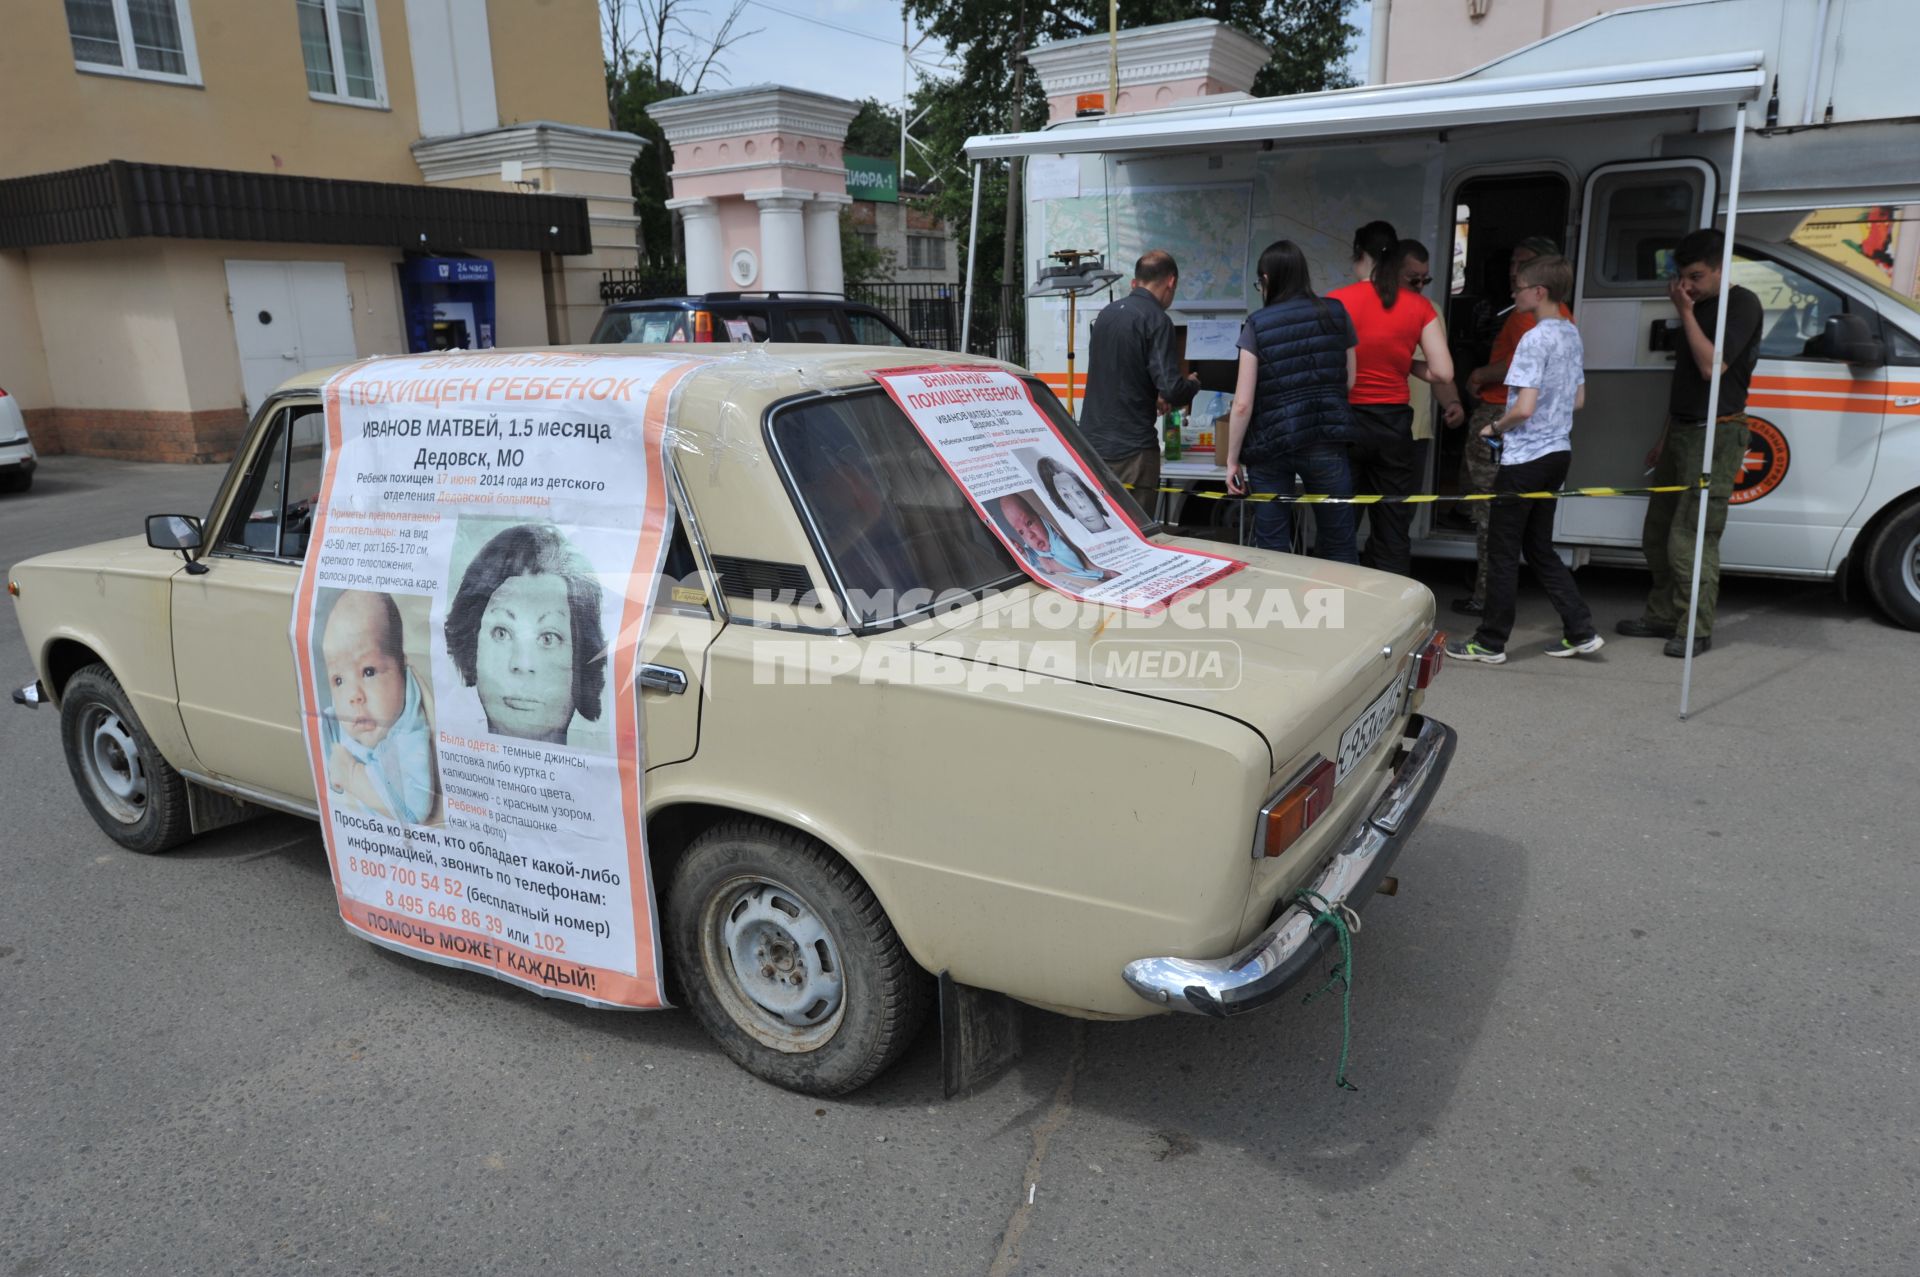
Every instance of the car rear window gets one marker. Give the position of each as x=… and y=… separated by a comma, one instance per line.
x=894, y=529
x=619, y=327
x=871, y=330
x=811, y=324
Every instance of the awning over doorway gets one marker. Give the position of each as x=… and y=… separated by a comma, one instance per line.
x=1583, y=93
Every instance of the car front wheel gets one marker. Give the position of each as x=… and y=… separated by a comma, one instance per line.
x=1893, y=567
x=788, y=960
x=130, y=790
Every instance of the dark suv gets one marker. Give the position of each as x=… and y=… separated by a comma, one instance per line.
x=807, y=317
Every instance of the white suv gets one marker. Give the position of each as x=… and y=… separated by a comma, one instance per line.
x=17, y=458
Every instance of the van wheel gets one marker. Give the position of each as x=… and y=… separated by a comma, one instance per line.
x=133, y=794
x=788, y=960
x=1893, y=567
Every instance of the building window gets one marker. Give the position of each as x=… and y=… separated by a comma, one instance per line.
x=869, y=240
x=340, y=42
x=151, y=39
x=926, y=252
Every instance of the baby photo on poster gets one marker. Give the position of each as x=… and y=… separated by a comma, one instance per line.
x=376, y=711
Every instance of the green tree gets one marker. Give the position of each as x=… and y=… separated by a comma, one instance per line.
x=875, y=131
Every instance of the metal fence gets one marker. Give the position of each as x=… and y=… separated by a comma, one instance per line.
x=637, y=285
x=930, y=314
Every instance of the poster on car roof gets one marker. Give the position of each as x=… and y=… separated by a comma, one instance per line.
x=480, y=569
x=1038, y=495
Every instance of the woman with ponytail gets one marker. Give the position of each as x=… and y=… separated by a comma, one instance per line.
x=1392, y=323
x=1290, y=415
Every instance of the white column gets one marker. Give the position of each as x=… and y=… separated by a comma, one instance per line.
x=826, y=272
x=783, y=239
x=706, y=271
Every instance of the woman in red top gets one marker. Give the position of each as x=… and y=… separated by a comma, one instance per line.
x=1393, y=322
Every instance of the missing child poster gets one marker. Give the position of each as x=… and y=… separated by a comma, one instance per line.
x=1037, y=495
x=466, y=629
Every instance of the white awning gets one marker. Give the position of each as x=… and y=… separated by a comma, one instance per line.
x=1583, y=93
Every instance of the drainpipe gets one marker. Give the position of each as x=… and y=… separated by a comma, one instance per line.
x=1818, y=57
x=1377, y=42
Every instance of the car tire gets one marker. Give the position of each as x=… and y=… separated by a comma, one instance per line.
x=19, y=482
x=133, y=794
x=788, y=961
x=1893, y=566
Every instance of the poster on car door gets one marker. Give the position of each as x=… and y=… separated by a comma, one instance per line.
x=480, y=569
x=1037, y=495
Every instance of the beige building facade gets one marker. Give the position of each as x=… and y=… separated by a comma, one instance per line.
x=217, y=194
x=1428, y=39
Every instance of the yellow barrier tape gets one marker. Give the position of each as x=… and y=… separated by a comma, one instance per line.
x=1427, y=498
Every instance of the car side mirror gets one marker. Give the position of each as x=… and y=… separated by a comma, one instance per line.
x=176, y=532
x=1850, y=337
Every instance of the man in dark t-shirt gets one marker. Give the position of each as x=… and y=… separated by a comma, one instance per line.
x=1679, y=458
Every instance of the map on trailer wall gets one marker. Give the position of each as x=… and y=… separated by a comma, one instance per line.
x=1204, y=226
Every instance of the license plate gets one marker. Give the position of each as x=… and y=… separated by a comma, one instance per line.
x=1364, y=732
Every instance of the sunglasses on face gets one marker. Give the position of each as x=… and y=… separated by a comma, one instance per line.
x=1418, y=281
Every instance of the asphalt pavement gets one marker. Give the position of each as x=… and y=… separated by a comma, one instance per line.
x=1648, y=1002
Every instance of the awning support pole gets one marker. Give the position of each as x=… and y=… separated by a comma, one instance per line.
x=973, y=241
x=1713, y=402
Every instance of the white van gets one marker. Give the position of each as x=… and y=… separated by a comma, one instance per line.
x=1582, y=138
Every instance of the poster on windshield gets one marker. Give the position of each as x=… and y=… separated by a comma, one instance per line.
x=1037, y=495
x=478, y=574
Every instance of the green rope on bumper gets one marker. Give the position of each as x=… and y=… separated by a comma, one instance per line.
x=1338, y=917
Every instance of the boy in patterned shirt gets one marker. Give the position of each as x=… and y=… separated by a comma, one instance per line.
x=1547, y=382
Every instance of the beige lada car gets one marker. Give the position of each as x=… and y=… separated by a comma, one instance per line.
x=881, y=762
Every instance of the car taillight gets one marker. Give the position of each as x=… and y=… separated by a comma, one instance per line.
x=1427, y=661
x=1293, y=812
x=702, y=326
x=3, y=392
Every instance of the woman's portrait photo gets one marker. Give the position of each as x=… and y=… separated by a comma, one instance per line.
x=376, y=714
x=524, y=630
x=1071, y=493
x=1044, y=546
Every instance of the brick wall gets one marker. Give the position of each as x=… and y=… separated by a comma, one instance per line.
x=131, y=434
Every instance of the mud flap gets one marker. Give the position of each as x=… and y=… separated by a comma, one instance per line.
x=979, y=1035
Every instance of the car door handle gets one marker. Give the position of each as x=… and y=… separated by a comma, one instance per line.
x=663, y=678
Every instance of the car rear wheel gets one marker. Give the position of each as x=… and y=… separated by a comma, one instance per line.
x=130, y=790
x=788, y=960
x=1893, y=566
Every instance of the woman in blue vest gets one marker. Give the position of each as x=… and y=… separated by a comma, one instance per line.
x=1290, y=415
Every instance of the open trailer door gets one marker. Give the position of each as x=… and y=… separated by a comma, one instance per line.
x=1631, y=218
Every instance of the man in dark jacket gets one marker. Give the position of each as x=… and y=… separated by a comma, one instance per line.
x=1131, y=373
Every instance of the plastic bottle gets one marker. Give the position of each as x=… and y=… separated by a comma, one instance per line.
x=1171, y=434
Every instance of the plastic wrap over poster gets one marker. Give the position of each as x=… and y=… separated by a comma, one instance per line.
x=1037, y=495
x=488, y=529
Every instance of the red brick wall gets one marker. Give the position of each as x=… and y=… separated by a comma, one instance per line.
x=130, y=434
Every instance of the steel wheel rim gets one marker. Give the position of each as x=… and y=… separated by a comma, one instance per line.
x=112, y=764
x=776, y=963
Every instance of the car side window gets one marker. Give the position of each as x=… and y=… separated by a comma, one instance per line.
x=681, y=588
x=806, y=324
x=871, y=330
x=306, y=446
x=273, y=511
x=1796, y=308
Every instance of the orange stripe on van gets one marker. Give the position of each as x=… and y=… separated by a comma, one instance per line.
x=1821, y=385
x=1823, y=404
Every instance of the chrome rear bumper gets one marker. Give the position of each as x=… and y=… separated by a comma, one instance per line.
x=1288, y=949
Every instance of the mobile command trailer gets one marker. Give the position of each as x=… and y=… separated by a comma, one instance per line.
x=1615, y=137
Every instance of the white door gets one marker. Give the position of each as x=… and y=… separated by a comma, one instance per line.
x=288, y=317
x=1634, y=215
